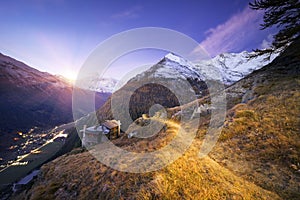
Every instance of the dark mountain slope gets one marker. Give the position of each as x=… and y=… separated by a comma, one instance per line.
x=31, y=99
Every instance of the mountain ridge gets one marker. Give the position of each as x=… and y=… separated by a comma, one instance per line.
x=231, y=67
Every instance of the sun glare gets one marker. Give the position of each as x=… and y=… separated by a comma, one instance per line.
x=70, y=75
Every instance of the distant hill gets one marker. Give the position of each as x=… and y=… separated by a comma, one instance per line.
x=256, y=157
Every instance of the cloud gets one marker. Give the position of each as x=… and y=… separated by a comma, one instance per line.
x=128, y=14
x=233, y=34
x=266, y=43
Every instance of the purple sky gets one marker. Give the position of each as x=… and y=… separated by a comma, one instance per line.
x=58, y=35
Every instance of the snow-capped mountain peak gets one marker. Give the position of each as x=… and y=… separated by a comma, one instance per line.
x=177, y=59
x=235, y=66
x=171, y=67
x=229, y=67
x=98, y=84
x=105, y=85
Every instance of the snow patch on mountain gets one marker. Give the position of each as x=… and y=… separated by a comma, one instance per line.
x=101, y=84
x=179, y=60
x=233, y=66
x=171, y=67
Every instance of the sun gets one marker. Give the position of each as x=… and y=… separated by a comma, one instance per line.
x=70, y=75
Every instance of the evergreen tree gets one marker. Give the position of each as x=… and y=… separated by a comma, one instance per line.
x=285, y=15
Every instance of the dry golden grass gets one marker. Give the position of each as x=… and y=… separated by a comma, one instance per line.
x=80, y=176
x=191, y=177
x=261, y=140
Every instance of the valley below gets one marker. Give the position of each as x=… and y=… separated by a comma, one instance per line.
x=40, y=150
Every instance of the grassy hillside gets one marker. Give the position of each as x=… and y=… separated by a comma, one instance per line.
x=81, y=176
x=261, y=140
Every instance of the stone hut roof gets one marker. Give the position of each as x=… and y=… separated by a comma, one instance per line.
x=110, y=124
